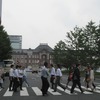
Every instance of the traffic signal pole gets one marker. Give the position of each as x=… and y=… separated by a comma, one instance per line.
x=0, y=10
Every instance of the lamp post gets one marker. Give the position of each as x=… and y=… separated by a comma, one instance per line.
x=0, y=10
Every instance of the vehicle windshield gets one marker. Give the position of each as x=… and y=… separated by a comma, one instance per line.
x=8, y=62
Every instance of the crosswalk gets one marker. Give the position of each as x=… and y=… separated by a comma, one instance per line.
x=60, y=91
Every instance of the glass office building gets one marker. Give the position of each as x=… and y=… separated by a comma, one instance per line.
x=16, y=41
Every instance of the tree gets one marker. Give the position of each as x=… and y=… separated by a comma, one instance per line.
x=59, y=53
x=74, y=44
x=83, y=44
x=91, y=37
x=5, y=45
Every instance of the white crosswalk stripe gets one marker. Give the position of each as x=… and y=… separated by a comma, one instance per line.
x=66, y=91
x=60, y=91
x=37, y=91
x=78, y=90
x=24, y=92
x=8, y=93
x=0, y=89
x=96, y=91
x=54, y=93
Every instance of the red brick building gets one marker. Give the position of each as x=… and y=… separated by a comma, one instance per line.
x=33, y=57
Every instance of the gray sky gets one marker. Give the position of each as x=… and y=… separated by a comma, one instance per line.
x=47, y=21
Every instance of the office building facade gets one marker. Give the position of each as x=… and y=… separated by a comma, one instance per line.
x=16, y=41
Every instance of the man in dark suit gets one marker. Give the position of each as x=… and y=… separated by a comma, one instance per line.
x=76, y=79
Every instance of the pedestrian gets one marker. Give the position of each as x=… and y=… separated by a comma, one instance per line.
x=20, y=73
x=52, y=76
x=58, y=78
x=87, y=77
x=11, y=78
x=76, y=79
x=16, y=78
x=25, y=76
x=71, y=70
x=69, y=78
x=91, y=82
x=44, y=78
x=1, y=79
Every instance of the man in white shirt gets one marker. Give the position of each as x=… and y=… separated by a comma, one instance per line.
x=44, y=77
x=52, y=78
x=20, y=72
x=11, y=77
x=58, y=78
x=16, y=78
x=25, y=76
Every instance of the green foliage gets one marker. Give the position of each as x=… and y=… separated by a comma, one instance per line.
x=82, y=45
x=5, y=47
x=59, y=53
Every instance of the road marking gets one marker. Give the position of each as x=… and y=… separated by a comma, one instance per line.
x=66, y=91
x=0, y=89
x=37, y=91
x=24, y=92
x=78, y=90
x=54, y=93
x=8, y=93
x=97, y=87
x=95, y=90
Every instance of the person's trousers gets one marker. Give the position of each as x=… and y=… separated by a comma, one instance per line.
x=76, y=82
x=45, y=85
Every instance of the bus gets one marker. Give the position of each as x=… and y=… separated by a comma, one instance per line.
x=7, y=64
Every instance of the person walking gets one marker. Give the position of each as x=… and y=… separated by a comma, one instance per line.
x=52, y=77
x=20, y=73
x=25, y=76
x=71, y=70
x=58, y=78
x=1, y=79
x=11, y=78
x=91, y=82
x=76, y=79
x=16, y=78
x=87, y=77
x=44, y=78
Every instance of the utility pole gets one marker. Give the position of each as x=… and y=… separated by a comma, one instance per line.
x=0, y=10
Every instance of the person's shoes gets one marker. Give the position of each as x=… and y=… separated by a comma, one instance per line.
x=10, y=90
x=64, y=89
x=92, y=90
x=73, y=93
x=82, y=92
x=52, y=88
x=41, y=89
x=44, y=94
x=67, y=86
x=2, y=87
x=15, y=91
x=54, y=91
x=21, y=89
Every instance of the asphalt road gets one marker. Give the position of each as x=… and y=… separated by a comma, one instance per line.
x=33, y=92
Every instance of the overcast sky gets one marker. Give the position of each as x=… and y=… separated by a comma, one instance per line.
x=47, y=21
